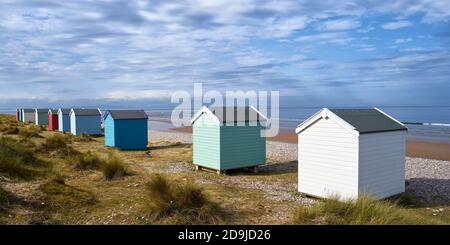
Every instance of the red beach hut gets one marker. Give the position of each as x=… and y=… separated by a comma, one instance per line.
x=53, y=119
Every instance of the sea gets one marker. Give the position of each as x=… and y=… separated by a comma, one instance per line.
x=425, y=123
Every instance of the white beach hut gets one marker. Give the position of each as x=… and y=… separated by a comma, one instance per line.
x=347, y=152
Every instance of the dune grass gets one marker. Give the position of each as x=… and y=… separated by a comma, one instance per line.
x=113, y=168
x=180, y=203
x=60, y=195
x=58, y=144
x=363, y=211
x=18, y=160
x=30, y=131
x=83, y=138
x=9, y=129
x=84, y=161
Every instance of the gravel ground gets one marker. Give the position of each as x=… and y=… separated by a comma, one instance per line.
x=427, y=179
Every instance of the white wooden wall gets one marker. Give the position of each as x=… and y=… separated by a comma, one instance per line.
x=382, y=163
x=328, y=160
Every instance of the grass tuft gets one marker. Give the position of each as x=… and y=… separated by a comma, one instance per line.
x=58, y=144
x=364, y=210
x=30, y=131
x=17, y=160
x=83, y=138
x=180, y=203
x=85, y=161
x=113, y=168
x=9, y=129
x=5, y=199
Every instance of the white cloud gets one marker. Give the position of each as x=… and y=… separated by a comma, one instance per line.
x=284, y=27
x=142, y=94
x=396, y=25
x=402, y=40
x=339, y=38
x=339, y=25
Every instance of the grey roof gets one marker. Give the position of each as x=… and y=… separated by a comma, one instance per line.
x=54, y=111
x=64, y=111
x=86, y=112
x=249, y=116
x=368, y=120
x=42, y=110
x=127, y=114
x=28, y=110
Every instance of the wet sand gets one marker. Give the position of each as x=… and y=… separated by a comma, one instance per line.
x=414, y=148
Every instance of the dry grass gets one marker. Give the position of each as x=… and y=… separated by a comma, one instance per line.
x=83, y=161
x=113, y=168
x=58, y=145
x=30, y=131
x=180, y=203
x=17, y=160
x=83, y=138
x=363, y=211
x=9, y=129
x=62, y=196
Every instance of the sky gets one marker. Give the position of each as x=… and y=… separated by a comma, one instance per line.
x=314, y=52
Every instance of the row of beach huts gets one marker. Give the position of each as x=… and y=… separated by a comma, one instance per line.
x=124, y=129
x=343, y=152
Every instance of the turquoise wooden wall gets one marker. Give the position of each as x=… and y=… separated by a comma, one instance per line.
x=206, y=142
x=41, y=118
x=241, y=146
x=227, y=147
x=109, y=132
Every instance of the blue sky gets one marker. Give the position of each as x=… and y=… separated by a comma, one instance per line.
x=315, y=52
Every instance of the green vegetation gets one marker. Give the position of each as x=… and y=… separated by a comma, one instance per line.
x=85, y=161
x=17, y=160
x=9, y=129
x=113, y=168
x=180, y=203
x=59, y=145
x=62, y=196
x=83, y=138
x=363, y=211
x=30, y=131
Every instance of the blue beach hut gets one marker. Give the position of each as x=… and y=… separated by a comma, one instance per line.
x=64, y=120
x=126, y=129
x=85, y=121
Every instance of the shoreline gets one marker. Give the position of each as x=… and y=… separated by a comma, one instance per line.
x=414, y=147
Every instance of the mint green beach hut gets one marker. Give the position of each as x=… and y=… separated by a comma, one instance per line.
x=227, y=138
x=41, y=116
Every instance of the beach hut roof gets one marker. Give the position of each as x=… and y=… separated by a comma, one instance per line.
x=362, y=121
x=40, y=110
x=53, y=111
x=86, y=112
x=127, y=114
x=28, y=110
x=220, y=113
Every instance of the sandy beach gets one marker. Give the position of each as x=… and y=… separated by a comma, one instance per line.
x=414, y=148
